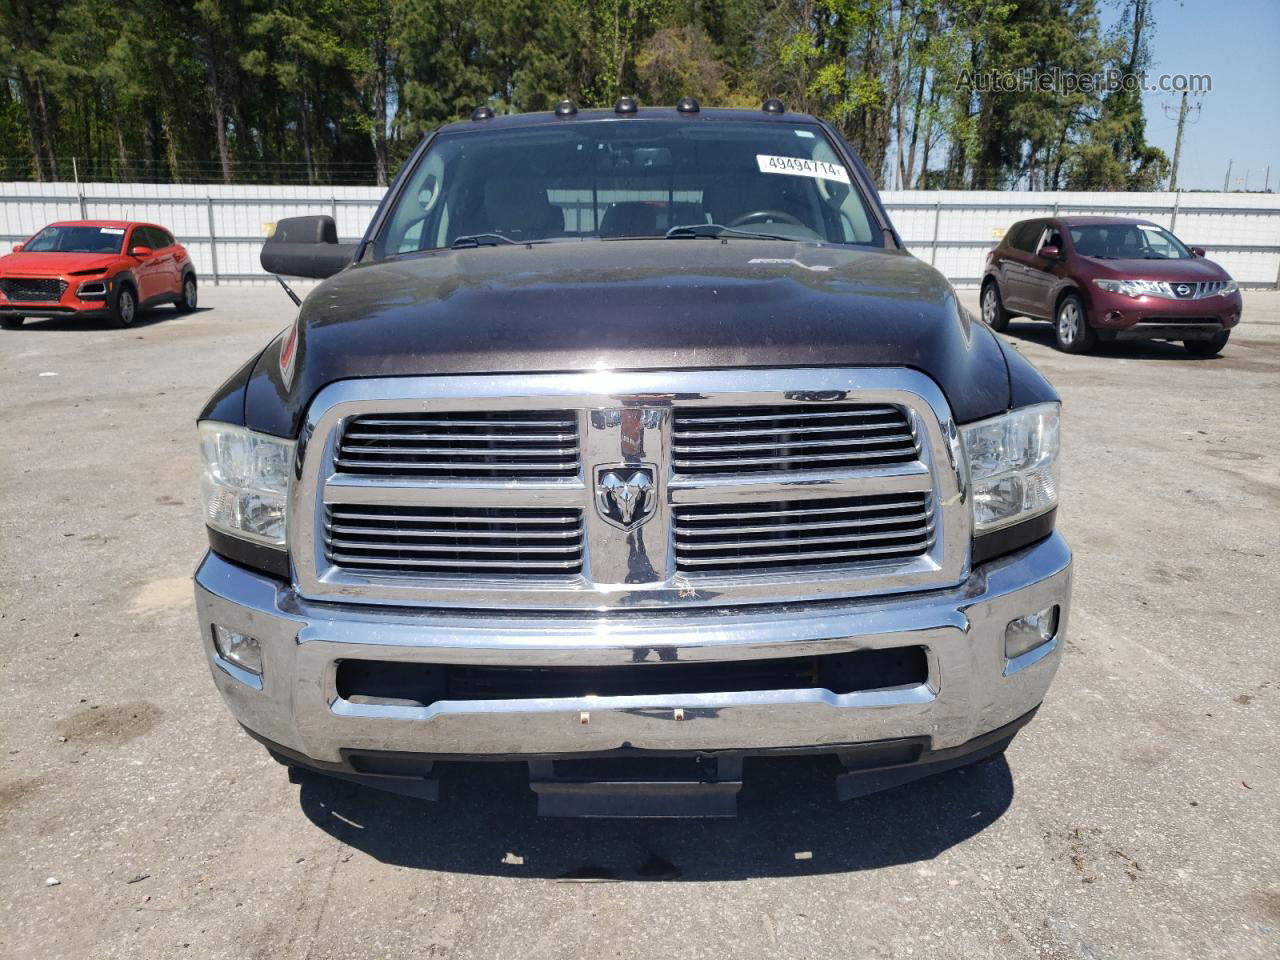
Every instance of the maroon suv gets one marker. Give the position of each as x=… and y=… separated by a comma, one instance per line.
x=1109, y=278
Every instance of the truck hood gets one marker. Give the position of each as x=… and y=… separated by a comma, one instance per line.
x=633, y=305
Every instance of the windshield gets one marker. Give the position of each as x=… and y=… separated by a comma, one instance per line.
x=1128, y=241
x=76, y=240
x=625, y=179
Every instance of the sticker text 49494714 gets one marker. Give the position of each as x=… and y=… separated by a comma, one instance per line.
x=801, y=167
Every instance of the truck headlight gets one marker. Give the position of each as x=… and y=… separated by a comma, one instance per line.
x=1013, y=465
x=246, y=481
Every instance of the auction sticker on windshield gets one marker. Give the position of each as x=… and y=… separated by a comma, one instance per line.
x=800, y=167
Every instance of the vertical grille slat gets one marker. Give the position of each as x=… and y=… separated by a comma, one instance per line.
x=513, y=445
x=771, y=536
x=787, y=437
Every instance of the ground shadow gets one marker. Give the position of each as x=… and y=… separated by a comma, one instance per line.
x=789, y=824
x=148, y=317
x=1042, y=333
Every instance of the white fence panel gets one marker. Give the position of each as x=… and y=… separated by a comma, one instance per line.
x=223, y=225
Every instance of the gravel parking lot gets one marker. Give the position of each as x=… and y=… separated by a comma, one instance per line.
x=1138, y=817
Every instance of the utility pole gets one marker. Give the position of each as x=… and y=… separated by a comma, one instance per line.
x=1183, y=110
x=1177, y=143
x=1227, y=179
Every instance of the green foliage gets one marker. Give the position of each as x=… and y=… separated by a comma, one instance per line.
x=340, y=90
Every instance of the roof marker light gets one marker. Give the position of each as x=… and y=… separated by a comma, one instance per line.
x=687, y=105
x=482, y=113
x=566, y=108
x=625, y=105
x=773, y=105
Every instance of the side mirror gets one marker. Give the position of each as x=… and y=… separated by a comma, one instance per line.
x=305, y=247
x=1197, y=251
x=140, y=252
x=17, y=248
x=1050, y=252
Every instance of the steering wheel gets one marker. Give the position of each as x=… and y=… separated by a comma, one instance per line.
x=769, y=215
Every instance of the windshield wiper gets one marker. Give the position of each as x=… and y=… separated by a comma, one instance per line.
x=683, y=231
x=479, y=240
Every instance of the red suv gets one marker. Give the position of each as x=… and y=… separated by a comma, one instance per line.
x=95, y=268
x=1109, y=278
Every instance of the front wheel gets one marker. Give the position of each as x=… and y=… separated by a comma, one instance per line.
x=187, y=299
x=124, y=308
x=1207, y=348
x=994, y=315
x=1071, y=328
x=10, y=321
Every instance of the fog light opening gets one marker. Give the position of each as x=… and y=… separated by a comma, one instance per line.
x=238, y=649
x=1028, y=633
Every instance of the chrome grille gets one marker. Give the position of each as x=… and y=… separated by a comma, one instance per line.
x=420, y=492
x=836, y=531
x=1198, y=290
x=454, y=540
x=33, y=289
x=796, y=436
x=539, y=444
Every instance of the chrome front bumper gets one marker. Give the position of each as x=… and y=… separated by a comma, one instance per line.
x=971, y=688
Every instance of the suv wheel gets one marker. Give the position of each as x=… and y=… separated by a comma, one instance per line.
x=187, y=298
x=1071, y=327
x=124, y=307
x=994, y=315
x=1207, y=348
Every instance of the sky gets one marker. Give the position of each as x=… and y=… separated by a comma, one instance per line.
x=1237, y=42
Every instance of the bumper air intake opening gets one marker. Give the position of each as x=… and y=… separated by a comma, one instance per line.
x=422, y=684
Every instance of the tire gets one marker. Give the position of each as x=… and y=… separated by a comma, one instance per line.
x=186, y=302
x=10, y=321
x=1071, y=330
x=1207, y=348
x=994, y=315
x=124, y=306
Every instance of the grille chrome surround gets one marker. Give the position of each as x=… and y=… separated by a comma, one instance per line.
x=33, y=289
x=799, y=436
x=627, y=419
x=535, y=445
x=777, y=536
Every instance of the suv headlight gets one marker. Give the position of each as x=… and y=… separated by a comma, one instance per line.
x=1013, y=466
x=246, y=481
x=1138, y=288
